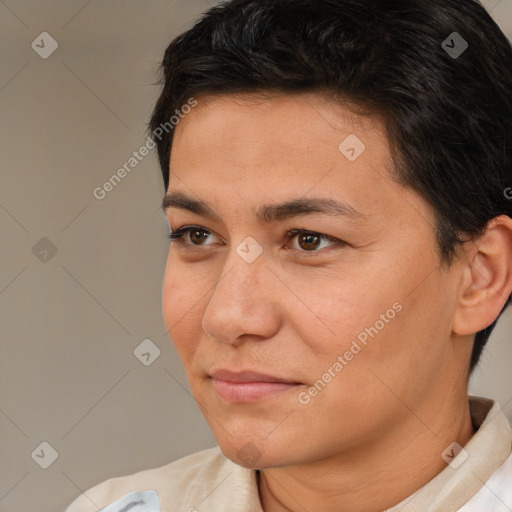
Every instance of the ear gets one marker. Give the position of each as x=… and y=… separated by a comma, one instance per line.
x=487, y=278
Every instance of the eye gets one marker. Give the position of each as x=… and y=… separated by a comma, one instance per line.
x=303, y=240
x=192, y=235
x=310, y=241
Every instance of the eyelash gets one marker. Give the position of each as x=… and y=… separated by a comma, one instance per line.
x=177, y=236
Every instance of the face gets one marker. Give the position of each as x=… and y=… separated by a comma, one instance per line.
x=308, y=294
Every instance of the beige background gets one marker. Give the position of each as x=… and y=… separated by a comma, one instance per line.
x=69, y=326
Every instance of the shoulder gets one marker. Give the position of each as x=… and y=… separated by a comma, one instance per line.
x=176, y=483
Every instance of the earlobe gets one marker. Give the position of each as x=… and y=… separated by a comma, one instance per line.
x=487, y=281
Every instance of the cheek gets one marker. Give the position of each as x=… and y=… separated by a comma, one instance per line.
x=342, y=309
x=181, y=308
x=368, y=318
x=402, y=346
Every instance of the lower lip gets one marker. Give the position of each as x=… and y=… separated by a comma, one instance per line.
x=239, y=392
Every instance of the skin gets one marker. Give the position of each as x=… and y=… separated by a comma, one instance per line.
x=384, y=420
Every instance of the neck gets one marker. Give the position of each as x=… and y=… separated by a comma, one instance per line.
x=377, y=476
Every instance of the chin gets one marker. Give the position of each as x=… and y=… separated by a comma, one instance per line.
x=248, y=455
x=254, y=454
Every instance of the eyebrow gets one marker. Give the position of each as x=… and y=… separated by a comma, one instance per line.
x=267, y=213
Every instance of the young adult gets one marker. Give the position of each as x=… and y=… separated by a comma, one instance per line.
x=338, y=187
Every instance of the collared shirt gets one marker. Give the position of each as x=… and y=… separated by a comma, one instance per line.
x=477, y=479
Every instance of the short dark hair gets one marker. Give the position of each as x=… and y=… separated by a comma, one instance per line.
x=448, y=117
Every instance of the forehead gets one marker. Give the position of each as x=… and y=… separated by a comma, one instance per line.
x=247, y=149
x=299, y=121
x=301, y=132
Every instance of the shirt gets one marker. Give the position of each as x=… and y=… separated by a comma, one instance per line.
x=477, y=479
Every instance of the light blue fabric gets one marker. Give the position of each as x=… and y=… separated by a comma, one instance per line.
x=145, y=501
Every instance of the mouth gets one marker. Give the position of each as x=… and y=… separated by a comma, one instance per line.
x=248, y=386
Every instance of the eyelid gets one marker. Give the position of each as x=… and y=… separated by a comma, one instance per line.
x=300, y=231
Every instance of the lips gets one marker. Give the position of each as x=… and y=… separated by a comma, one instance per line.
x=248, y=386
x=241, y=377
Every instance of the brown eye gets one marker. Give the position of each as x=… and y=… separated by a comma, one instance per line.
x=198, y=236
x=309, y=241
x=192, y=236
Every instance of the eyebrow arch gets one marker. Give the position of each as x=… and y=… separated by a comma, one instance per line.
x=267, y=213
x=184, y=202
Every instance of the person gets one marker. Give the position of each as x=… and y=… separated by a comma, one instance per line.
x=338, y=182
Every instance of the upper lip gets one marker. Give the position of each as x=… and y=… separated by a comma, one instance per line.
x=247, y=376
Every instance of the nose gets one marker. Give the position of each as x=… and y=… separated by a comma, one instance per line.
x=244, y=303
